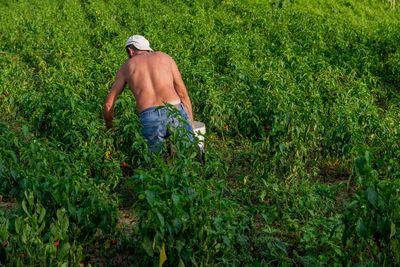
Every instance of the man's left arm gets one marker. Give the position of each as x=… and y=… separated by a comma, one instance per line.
x=181, y=90
x=115, y=91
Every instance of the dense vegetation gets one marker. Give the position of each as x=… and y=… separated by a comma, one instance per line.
x=301, y=100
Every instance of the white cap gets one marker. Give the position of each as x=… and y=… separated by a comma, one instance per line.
x=139, y=42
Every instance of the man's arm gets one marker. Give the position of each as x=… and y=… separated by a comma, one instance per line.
x=181, y=90
x=115, y=91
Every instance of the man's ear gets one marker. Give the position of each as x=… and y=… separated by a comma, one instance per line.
x=131, y=52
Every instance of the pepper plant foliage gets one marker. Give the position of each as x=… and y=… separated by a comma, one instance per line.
x=301, y=103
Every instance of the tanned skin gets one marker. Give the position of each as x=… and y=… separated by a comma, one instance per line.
x=154, y=80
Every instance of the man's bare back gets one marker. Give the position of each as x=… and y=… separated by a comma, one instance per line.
x=150, y=75
x=153, y=78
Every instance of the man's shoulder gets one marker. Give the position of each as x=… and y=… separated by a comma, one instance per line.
x=162, y=54
x=126, y=65
x=162, y=57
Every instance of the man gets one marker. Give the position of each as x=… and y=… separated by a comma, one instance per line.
x=154, y=80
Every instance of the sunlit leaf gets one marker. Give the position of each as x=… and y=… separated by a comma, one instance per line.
x=163, y=255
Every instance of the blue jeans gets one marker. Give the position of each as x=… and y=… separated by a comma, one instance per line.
x=156, y=122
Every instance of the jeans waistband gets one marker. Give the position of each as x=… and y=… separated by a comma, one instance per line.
x=159, y=107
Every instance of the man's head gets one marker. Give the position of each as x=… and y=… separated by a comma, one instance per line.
x=137, y=42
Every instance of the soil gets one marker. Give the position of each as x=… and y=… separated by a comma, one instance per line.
x=333, y=172
x=6, y=204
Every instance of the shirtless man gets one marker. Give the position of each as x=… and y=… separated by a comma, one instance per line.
x=154, y=80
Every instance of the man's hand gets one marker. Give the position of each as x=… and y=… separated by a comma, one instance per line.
x=109, y=124
x=108, y=117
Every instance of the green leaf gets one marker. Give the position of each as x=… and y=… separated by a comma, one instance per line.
x=13, y=156
x=18, y=225
x=42, y=214
x=360, y=164
x=1, y=167
x=353, y=204
x=282, y=147
x=282, y=246
x=161, y=218
x=60, y=214
x=226, y=240
x=30, y=199
x=383, y=225
x=372, y=196
x=25, y=130
x=175, y=199
x=392, y=230
x=150, y=197
x=176, y=224
x=148, y=246
x=361, y=228
x=24, y=207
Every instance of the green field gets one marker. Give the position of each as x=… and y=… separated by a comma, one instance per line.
x=301, y=100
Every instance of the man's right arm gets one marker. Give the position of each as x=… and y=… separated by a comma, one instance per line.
x=115, y=91
x=181, y=90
